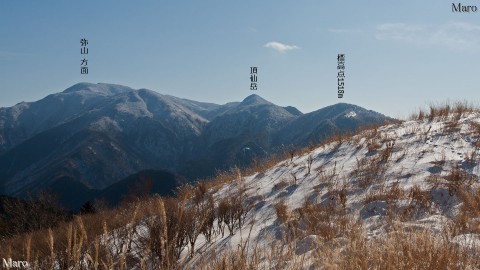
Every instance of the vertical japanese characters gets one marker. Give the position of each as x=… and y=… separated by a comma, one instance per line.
x=341, y=74
x=83, y=53
x=253, y=78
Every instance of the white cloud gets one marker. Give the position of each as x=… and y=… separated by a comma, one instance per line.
x=280, y=47
x=451, y=35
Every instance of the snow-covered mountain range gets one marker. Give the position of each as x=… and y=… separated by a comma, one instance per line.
x=98, y=134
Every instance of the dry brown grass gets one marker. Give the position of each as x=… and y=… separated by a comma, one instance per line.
x=445, y=111
x=327, y=221
x=69, y=243
x=420, y=198
x=399, y=250
x=457, y=179
x=369, y=170
x=282, y=211
x=392, y=194
x=468, y=216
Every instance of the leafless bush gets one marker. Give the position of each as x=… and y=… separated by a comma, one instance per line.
x=232, y=210
x=227, y=210
x=207, y=215
x=309, y=164
x=23, y=216
x=167, y=230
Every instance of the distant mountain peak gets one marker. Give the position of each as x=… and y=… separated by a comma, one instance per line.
x=100, y=88
x=78, y=87
x=254, y=100
x=293, y=110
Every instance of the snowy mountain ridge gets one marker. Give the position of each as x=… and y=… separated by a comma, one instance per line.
x=84, y=133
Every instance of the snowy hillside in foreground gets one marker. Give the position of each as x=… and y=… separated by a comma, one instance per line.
x=415, y=168
x=400, y=196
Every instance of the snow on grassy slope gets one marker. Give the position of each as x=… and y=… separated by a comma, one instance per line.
x=397, y=164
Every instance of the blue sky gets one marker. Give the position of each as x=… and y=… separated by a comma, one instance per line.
x=400, y=55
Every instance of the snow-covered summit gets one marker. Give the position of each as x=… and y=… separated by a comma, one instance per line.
x=254, y=100
x=99, y=88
